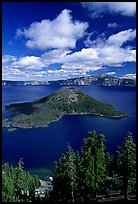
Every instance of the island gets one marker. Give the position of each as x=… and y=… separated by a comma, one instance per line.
x=66, y=101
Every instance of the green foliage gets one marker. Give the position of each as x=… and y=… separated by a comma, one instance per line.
x=95, y=171
x=93, y=164
x=7, y=188
x=83, y=176
x=64, y=180
x=127, y=163
x=77, y=177
x=78, y=164
x=17, y=184
x=127, y=156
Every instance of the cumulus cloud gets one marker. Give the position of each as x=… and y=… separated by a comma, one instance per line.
x=96, y=55
x=98, y=9
x=86, y=60
x=101, y=52
x=81, y=60
x=122, y=37
x=54, y=56
x=116, y=39
x=112, y=25
x=110, y=51
x=29, y=62
x=129, y=76
x=8, y=58
x=61, y=32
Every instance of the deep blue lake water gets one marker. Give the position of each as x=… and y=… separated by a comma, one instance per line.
x=42, y=146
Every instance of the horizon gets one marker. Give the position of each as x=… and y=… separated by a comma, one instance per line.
x=67, y=79
x=57, y=43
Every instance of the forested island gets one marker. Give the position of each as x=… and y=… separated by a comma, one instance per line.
x=66, y=101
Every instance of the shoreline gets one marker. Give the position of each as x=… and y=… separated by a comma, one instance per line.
x=11, y=127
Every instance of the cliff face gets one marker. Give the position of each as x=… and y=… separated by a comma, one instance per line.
x=100, y=80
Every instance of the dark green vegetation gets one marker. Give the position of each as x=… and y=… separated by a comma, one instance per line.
x=127, y=162
x=40, y=112
x=92, y=175
x=17, y=184
x=95, y=174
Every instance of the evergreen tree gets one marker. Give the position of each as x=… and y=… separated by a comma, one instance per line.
x=77, y=176
x=18, y=181
x=78, y=164
x=93, y=165
x=16, y=184
x=64, y=179
x=70, y=173
x=59, y=179
x=7, y=188
x=111, y=174
x=127, y=162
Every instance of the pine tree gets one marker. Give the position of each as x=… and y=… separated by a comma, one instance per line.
x=78, y=163
x=16, y=183
x=7, y=188
x=70, y=173
x=93, y=165
x=110, y=173
x=127, y=161
x=64, y=179
x=59, y=179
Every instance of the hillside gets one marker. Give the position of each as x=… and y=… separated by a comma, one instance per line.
x=66, y=101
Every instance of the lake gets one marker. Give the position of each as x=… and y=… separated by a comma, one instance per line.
x=40, y=147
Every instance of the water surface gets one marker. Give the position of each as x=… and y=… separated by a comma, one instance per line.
x=41, y=146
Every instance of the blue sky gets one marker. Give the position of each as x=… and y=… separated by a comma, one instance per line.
x=60, y=40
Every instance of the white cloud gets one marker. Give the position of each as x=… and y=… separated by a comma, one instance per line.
x=98, y=9
x=86, y=60
x=112, y=25
x=81, y=60
x=99, y=53
x=64, y=73
x=11, y=73
x=122, y=37
x=116, y=39
x=110, y=51
x=61, y=33
x=111, y=73
x=129, y=76
x=115, y=56
x=28, y=62
x=54, y=56
x=8, y=58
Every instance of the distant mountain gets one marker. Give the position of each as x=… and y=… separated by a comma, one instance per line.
x=67, y=100
x=12, y=83
x=100, y=80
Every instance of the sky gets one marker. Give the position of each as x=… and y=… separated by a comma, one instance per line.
x=49, y=41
